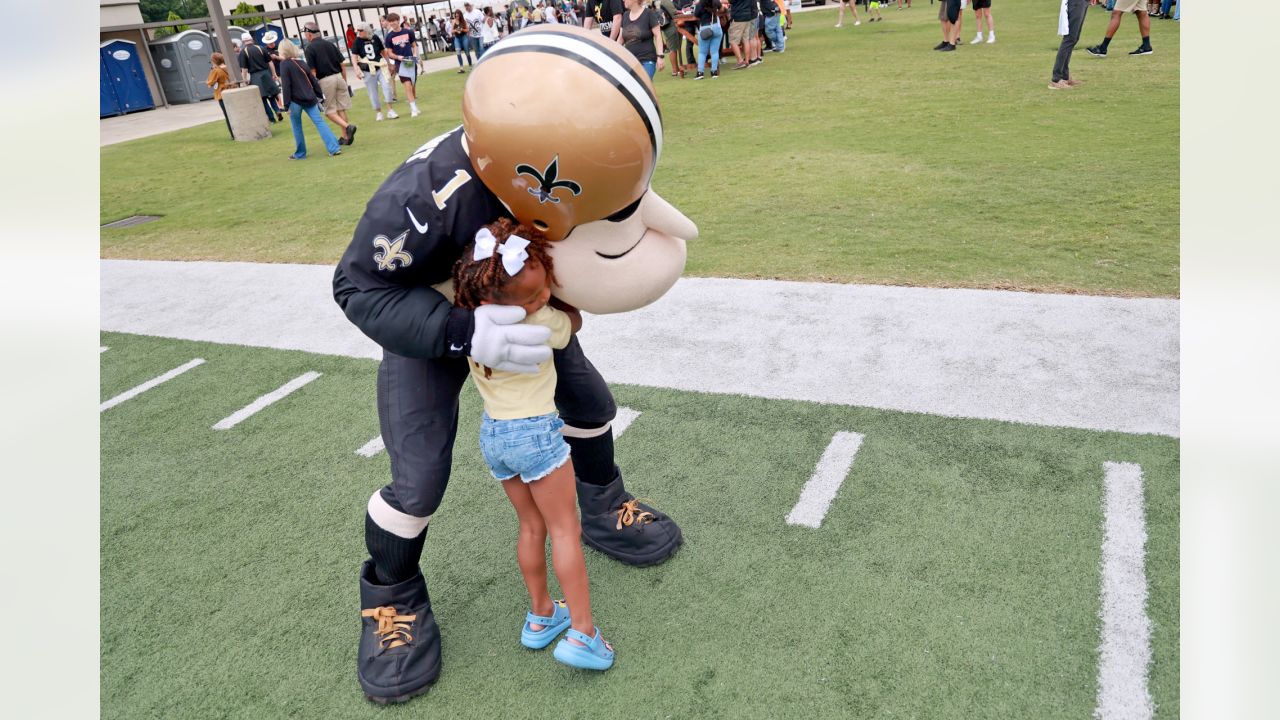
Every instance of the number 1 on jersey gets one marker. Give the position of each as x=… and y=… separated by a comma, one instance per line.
x=441, y=196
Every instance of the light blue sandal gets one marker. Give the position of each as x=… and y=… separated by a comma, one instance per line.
x=551, y=627
x=593, y=654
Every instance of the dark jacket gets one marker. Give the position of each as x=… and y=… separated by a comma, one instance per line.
x=298, y=84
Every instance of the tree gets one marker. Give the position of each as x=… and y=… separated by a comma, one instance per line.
x=245, y=7
x=161, y=32
x=157, y=10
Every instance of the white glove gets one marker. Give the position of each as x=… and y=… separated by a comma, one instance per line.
x=501, y=343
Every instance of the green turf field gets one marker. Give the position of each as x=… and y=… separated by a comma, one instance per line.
x=956, y=574
x=858, y=156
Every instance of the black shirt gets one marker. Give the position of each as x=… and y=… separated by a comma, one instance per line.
x=768, y=8
x=323, y=57
x=637, y=35
x=742, y=10
x=603, y=12
x=406, y=242
x=254, y=59
x=298, y=85
x=370, y=49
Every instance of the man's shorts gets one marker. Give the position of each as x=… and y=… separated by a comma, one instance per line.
x=1126, y=6
x=336, y=96
x=529, y=447
x=950, y=11
x=981, y=4
x=741, y=31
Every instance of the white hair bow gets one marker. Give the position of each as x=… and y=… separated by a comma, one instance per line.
x=512, y=251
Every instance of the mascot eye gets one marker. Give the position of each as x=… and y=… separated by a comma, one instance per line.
x=625, y=212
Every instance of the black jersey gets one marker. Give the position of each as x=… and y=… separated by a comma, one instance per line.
x=413, y=230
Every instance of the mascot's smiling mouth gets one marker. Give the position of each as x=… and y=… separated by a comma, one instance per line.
x=624, y=252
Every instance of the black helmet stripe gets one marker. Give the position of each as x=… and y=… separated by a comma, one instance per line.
x=598, y=61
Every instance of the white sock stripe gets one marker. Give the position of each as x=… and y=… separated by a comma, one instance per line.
x=392, y=520
x=136, y=391
x=256, y=406
x=820, y=491
x=577, y=432
x=614, y=67
x=1124, y=656
x=371, y=448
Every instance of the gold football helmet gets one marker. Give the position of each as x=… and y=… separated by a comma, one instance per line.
x=562, y=125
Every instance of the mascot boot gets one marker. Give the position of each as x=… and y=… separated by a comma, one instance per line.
x=399, y=655
x=618, y=525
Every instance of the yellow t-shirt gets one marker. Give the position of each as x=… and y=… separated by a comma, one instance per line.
x=510, y=395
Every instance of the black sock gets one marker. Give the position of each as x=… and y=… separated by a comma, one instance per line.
x=395, y=559
x=1146, y=42
x=593, y=458
x=1105, y=42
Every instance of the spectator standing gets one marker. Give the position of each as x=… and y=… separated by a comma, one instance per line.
x=981, y=11
x=667, y=12
x=302, y=94
x=642, y=35
x=710, y=36
x=458, y=33
x=772, y=27
x=488, y=32
x=219, y=80
x=325, y=62
x=949, y=16
x=367, y=52
x=1075, y=12
x=351, y=36
x=474, y=19
x=391, y=66
x=742, y=29
x=401, y=46
x=606, y=15
x=853, y=8
x=1122, y=7
x=256, y=67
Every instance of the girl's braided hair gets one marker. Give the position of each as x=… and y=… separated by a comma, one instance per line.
x=478, y=280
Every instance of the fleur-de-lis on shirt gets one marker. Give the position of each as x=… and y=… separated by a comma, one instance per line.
x=391, y=251
x=547, y=181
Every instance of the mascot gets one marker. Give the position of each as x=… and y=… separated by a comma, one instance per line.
x=560, y=130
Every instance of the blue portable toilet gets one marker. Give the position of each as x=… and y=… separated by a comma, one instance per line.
x=123, y=70
x=110, y=104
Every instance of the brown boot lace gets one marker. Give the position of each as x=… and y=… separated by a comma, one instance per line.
x=393, y=629
x=631, y=513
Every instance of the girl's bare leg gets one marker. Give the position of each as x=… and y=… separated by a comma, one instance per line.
x=531, y=547
x=556, y=498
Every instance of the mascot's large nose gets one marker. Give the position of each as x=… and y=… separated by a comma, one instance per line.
x=660, y=215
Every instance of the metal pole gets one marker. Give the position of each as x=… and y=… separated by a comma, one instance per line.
x=145, y=51
x=219, y=22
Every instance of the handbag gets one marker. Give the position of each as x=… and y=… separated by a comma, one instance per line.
x=706, y=33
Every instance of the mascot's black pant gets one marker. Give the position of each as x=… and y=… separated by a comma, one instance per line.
x=418, y=414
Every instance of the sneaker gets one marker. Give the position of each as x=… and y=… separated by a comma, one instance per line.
x=391, y=114
x=1144, y=50
x=1072, y=82
x=940, y=45
x=757, y=61
x=715, y=74
x=351, y=134
x=377, y=118
x=948, y=48
x=1060, y=85
x=991, y=39
x=839, y=24
x=461, y=71
x=699, y=76
x=1096, y=51
x=415, y=113
x=976, y=39
x=857, y=22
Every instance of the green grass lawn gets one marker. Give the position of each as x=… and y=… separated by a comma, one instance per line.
x=858, y=156
x=956, y=574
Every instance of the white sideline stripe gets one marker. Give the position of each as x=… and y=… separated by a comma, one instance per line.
x=103, y=349
x=1125, y=653
x=623, y=420
x=816, y=497
x=136, y=391
x=373, y=447
x=252, y=408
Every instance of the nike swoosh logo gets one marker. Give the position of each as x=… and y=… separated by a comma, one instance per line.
x=420, y=227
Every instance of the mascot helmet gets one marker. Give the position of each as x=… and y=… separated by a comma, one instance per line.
x=562, y=125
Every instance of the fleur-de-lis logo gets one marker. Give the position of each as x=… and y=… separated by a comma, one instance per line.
x=391, y=251
x=547, y=182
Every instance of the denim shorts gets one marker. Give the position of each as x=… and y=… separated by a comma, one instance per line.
x=529, y=447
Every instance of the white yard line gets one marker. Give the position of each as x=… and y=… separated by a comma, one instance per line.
x=254, y=407
x=103, y=349
x=1094, y=363
x=816, y=497
x=136, y=391
x=1125, y=653
x=623, y=420
x=371, y=448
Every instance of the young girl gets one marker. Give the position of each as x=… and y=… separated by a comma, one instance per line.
x=219, y=80
x=521, y=442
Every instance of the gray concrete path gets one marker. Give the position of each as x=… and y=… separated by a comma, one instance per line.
x=1071, y=361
